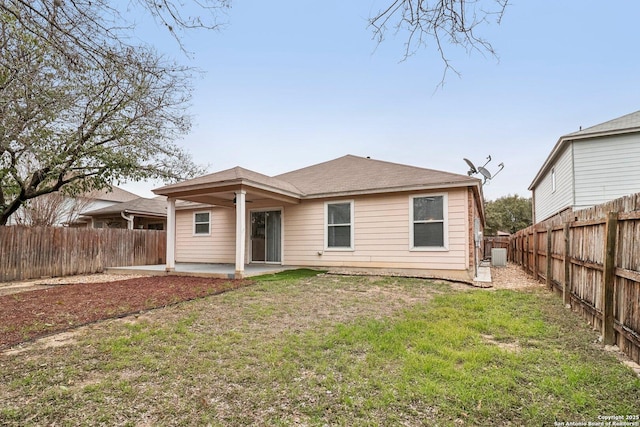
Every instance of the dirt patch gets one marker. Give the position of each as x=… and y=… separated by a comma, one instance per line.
x=8, y=288
x=25, y=316
x=513, y=277
x=511, y=347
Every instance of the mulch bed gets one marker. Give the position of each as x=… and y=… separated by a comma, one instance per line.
x=28, y=315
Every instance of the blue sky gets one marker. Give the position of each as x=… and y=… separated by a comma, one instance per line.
x=289, y=84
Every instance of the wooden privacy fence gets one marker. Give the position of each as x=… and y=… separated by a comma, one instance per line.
x=34, y=252
x=592, y=257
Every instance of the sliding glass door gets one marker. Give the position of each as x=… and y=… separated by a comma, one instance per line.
x=266, y=232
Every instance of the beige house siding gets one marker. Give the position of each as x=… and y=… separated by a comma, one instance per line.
x=217, y=247
x=471, y=214
x=381, y=234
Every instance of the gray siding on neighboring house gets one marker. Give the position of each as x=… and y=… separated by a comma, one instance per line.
x=606, y=168
x=547, y=201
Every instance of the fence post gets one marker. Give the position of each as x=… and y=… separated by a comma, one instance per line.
x=549, y=257
x=525, y=251
x=609, y=278
x=567, y=264
x=535, y=253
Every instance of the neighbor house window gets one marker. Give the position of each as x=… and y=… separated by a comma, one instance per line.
x=428, y=221
x=339, y=225
x=202, y=223
x=553, y=180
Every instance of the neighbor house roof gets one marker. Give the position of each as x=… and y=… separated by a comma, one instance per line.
x=342, y=176
x=140, y=206
x=629, y=123
x=115, y=194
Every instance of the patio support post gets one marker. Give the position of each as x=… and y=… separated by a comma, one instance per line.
x=171, y=234
x=240, y=232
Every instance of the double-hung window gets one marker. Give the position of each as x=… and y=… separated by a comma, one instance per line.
x=339, y=225
x=202, y=223
x=428, y=222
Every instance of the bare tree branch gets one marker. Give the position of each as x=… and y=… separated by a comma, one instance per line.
x=441, y=23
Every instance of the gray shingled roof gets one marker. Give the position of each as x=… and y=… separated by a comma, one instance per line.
x=233, y=175
x=345, y=175
x=353, y=174
x=627, y=122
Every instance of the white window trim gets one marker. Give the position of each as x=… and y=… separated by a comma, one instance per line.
x=326, y=226
x=553, y=179
x=194, y=224
x=445, y=225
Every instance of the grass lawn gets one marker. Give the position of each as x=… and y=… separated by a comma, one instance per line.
x=296, y=349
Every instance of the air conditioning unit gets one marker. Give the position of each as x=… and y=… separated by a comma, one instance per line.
x=498, y=257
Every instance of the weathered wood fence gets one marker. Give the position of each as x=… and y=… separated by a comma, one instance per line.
x=592, y=257
x=34, y=252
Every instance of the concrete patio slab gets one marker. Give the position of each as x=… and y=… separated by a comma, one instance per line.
x=223, y=271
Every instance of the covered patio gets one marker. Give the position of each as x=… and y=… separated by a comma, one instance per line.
x=233, y=188
x=222, y=271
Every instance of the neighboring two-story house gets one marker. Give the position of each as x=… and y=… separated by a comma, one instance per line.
x=589, y=167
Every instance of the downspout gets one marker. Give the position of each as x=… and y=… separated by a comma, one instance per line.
x=129, y=219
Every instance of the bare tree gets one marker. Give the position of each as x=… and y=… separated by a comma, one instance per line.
x=441, y=23
x=54, y=209
x=47, y=210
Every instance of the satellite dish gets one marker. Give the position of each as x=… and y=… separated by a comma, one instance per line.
x=472, y=168
x=484, y=172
